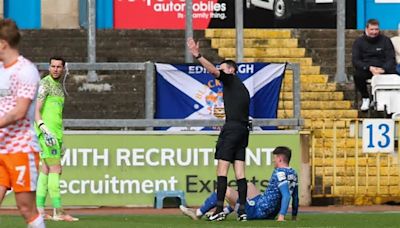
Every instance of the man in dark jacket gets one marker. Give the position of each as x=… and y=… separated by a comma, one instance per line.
x=373, y=54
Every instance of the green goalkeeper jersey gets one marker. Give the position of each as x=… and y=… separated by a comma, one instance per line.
x=52, y=95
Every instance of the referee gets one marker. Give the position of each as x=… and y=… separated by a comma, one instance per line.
x=234, y=136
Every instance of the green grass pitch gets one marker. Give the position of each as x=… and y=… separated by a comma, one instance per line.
x=363, y=220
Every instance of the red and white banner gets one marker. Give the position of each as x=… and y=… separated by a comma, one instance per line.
x=165, y=14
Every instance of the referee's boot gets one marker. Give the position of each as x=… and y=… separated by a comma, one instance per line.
x=217, y=216
x=242, y=217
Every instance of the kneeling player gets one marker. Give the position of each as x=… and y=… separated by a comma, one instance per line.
x=274, y=201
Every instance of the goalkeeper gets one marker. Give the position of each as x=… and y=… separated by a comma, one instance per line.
x=49, y=128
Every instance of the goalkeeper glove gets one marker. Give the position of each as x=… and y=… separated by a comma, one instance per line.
x=50, y=140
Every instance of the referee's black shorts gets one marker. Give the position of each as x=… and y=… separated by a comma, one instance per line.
x=232, y=142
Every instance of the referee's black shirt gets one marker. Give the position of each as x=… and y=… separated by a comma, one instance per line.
x=236, y=98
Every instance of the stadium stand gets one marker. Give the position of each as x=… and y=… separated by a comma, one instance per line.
x=320, y=98
x=327, y=112
x=326, y=107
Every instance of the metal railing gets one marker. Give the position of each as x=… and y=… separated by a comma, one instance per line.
x=339, y=168
x=149, y=121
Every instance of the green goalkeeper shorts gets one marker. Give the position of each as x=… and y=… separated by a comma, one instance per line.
x=50, y=152
x=51, y=161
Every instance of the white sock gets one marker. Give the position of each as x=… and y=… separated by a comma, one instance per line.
x=38, y=222
x=198, y=213
x=226, y=210
x=41, y=210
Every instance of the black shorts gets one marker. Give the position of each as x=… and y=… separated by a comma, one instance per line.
x=232, y=142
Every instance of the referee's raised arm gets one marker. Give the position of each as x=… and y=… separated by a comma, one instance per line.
x=195, y=50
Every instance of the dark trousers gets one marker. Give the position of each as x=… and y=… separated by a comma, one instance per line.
x=360, y=80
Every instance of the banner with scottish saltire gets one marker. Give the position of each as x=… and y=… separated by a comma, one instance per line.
x=188, y=91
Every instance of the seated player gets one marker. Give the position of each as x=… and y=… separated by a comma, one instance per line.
x=267, y=205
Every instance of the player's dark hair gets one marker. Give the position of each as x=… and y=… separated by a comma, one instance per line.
x=230, y=63
x=372, y=22
x=57, y=58
x=285, y=151
x=9, y=32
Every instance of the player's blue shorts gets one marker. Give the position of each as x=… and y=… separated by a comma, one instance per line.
x=255, y=210
x=252, y=209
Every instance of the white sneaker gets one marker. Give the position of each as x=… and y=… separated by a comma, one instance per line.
x=365, y=104
x=65, y=217
x=60, y=215
x=189, y=212
x=43, y=213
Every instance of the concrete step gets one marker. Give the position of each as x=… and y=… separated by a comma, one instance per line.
x=362, y=161
x=325, y=42
x=309, y=114
x=302, y=60
x=372, y=181
x=323, y=33
x=368, y=191
x=45, y=33
x=307, y=78
x=308, y=69
x=74, y=51
x=73, y=42
x=327, y=58
x=317, y=123
x=315, y=87
x=145, y=51
x=263, y=52
x=160, y=59
x=340, y=143
x=111, y=45
x=148, y=42
x=329, y=52
x=315, y=105
x=330, y=133
x=113, y=110
x=331, y=70
x=101, y=113
x=149, y=33
x=350, y=34
x=255, y=43
x=362, y=171
x=169, y=55
x=314, y=96
x=108, y=33
x=146, y=33
x=328, y=152
x=249, y=33
x=350, y=153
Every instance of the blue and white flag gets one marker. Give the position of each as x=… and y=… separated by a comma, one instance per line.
x=188, y=91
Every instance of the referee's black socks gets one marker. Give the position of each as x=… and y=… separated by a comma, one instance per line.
x=242, y=189
x=222, y=183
